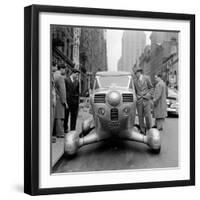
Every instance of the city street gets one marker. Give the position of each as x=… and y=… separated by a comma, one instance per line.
x=90, y=52
x=112, y=155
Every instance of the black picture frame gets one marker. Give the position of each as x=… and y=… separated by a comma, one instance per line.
x=31, y=98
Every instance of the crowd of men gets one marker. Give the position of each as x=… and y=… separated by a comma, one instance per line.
x=65, y=100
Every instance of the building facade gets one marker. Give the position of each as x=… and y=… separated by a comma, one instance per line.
x=62, y=46
x=162, y=57
x=93, y=55
x=76, y=45
x=133, y=43
x=81, y=48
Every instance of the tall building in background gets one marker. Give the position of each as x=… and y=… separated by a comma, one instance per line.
x=93, y=54
x=160, y=37
x=133, y=43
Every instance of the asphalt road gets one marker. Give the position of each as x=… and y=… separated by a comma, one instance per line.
x=114, y=155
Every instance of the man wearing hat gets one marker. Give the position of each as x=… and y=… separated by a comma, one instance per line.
x=60, y=100
x=144, y=92
x=72, y=95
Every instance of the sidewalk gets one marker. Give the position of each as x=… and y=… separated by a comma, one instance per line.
x=57, y=150
x=58, y=146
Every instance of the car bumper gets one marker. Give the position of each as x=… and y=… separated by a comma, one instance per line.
x=172, y=111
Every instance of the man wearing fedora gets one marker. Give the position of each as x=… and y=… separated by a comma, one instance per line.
x=144, y=92
x=72, y=95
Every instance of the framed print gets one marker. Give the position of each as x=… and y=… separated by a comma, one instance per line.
x=109, y=99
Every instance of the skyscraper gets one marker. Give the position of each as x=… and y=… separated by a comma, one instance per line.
x=133, y=43
x=160, y=37
x=93, y=55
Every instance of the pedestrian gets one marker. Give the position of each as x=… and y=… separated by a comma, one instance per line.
x=53, y=101
x=159, y=102
x=72, y=95
x=144, y=92
x=61, y=103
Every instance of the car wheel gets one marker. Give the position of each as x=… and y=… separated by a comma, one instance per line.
x=154, y=140
x=137, y=128
x=71, y=144
x=156, y=151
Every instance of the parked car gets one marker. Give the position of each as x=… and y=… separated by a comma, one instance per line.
x=113, y=106
x=172, y=102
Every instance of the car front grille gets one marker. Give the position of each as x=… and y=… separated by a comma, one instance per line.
x=113, y=125
x=127, y=97
x=114, y=114
x=99, y=98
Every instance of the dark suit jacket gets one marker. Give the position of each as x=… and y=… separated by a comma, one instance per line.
x=72, y=92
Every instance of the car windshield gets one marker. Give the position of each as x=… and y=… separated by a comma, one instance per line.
x=113, y=81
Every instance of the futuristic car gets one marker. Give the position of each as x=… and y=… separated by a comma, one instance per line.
x=113, y=105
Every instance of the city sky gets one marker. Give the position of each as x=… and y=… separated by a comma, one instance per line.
x=114, y=46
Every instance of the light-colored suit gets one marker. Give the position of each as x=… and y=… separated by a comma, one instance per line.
x=144, y=92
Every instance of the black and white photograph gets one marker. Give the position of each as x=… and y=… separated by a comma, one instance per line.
x=114, y=99
x=109, y=100
x=99, y=100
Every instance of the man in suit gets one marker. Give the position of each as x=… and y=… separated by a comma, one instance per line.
x=72, y=95
x=159, y=101
x=144, y=92
x=53, y=101
x=61, y=103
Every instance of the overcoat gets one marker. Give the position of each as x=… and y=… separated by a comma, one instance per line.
x=160, y=104
x=60, y=96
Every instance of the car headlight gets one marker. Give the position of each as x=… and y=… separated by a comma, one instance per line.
x=126, y=110
x=101, y=111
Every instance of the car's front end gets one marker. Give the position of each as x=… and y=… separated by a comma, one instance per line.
x=113, y=105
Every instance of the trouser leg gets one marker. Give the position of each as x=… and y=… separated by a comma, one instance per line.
x=53, y=131
x=147, y=114
x=74, y=113
x=59, y=127
x=52, y=120
x=159, y=123
x=54, y=128
x=141, y=116
x=66, y=119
